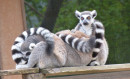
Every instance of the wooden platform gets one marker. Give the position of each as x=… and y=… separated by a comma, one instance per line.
x=116, y=71
x=112, y=75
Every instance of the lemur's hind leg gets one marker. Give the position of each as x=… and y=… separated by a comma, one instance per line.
x=94, y=63
x=41, y=58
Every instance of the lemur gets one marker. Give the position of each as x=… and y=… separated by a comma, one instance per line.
x=87, y=24
x=22, y=46
x=60, y=54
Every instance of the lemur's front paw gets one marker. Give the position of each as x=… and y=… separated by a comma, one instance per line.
x=22, y=67
x=94, y=63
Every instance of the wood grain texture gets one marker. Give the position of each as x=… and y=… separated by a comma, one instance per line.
x=110, y=75
x=19, y=71
x=86, y=69
x=69, y=70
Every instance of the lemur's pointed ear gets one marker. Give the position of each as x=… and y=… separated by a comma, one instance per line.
x=77, y=14
x=32, y=45
x=94, y=13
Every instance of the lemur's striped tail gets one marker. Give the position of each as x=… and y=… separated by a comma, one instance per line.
x=17, y=55
x=79, y=44
x=91, y=45
x=99, y=34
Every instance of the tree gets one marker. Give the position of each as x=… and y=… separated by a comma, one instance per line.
x=51, y=14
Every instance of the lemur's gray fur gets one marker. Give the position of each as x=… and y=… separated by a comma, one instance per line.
x=85, y=25
x=80, y=45
x=61, y=55
x=22, y=46
x=37, y=42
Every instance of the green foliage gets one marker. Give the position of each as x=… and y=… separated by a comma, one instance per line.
x=34, y=19
x=114, y=14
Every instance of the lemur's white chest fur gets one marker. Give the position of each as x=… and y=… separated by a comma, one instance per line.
x=86, y=29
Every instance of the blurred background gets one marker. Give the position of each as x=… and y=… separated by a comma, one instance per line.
x=57, y=15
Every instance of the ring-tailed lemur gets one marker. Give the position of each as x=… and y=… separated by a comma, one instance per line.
x=86, y=25
x=22, y=49
x=86, y=20
x=79, y=44
x=63, y=54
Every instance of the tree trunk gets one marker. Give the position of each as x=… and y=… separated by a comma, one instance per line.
x=51, y=14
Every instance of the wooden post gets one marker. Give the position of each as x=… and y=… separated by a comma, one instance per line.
x=12, y=23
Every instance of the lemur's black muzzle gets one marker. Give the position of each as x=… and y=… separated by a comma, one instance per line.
x=85, y=23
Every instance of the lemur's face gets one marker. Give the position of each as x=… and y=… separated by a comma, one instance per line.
x=86, y=18
x=26, y=49
x=26, y=55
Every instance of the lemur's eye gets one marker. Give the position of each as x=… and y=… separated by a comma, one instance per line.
x=82, y=18
x=88, y=17
x=28, y=53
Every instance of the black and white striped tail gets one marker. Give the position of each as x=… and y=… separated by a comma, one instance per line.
x=86, y=46
x=17, y=55
x=99, y=34
x=77, y=43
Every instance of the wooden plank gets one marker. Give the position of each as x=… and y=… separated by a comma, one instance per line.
x=111, y=75
x=69, y=70
x=93, y=72
x=85, y=69
x=19, y=71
